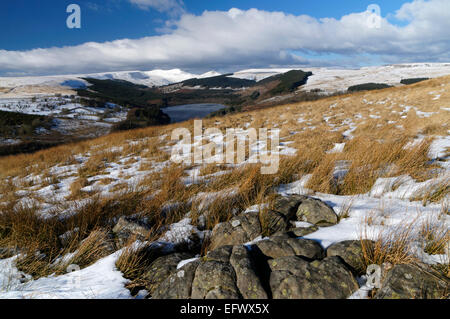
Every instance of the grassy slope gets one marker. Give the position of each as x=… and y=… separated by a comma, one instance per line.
x=378, y=143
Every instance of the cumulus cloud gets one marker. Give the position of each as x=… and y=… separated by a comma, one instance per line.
x=251, y=38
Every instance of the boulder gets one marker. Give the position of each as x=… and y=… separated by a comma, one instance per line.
x=412, y=282
x=316, y=212
x=285, y=209
x=303, y=231
x=239, y=230
x=295, y=278
x=283, y=245
x=351, y=252
x=298, y=231
x=247, y=280
x=179, y=284
x=273, y=222
x=215, y=278
x=288, y=205
x=162, y=268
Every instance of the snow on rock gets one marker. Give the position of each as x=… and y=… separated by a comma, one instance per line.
x=180, y=232
x=186, y=261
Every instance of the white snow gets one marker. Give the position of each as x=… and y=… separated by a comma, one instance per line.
x=338, y=148
x=99, y=281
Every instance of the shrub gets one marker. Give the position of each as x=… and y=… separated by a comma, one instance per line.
x=368, y=87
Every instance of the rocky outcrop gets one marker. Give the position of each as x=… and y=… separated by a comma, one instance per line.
x=215, y=277
x=412, y=282
x=303, y=231
x=280, y=267
x=279, y=219
x=295, y=278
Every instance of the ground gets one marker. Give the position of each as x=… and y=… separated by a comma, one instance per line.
x=380, y=159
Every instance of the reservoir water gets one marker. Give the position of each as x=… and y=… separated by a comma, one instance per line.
x=185, y=112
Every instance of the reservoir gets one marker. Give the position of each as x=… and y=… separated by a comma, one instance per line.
x=185, y=112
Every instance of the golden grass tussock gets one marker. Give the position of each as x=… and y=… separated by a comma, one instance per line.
x=393, y=246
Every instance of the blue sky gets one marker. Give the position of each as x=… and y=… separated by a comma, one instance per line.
x=29, y=24
x=161, y=33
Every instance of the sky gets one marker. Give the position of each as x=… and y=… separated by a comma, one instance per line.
x=221, y=35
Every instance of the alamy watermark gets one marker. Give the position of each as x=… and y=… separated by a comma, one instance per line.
x=230, y=148
x=374, y=16
x=74, y=19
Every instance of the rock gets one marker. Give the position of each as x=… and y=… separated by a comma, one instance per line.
x=179, y=284
x=201, y=222
x=128, y=227
x=215, y=278
x=283, y=245
x=273, y=222
x=247, y=226
x=351, y=252
x=316, y=212
x=295, y=278
x=239, y=230
x=303, y=231
x=412, y=282
x=249, y=284
x=281, y=213
x=162, y=268
x=298, y=231
x=227, y=272
x=288, y=205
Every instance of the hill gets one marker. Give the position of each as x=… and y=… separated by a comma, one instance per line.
x=355, y=171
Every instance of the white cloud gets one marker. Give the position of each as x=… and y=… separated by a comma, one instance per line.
x=173, y=7
x=238, y=38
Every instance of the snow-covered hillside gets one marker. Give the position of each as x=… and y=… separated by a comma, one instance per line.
x=332, y=80
x=327, y=79
x=22, y=87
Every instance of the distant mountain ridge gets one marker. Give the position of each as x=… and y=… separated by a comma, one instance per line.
x=326, y=79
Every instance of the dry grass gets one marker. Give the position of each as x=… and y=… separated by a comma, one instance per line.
x=376, y=150
x=393, y=246
x=75, y=188
x=133, y=262
x=435, y=236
